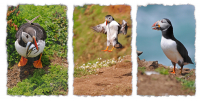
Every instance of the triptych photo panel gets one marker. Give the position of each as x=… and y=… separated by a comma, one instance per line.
x=37, y=48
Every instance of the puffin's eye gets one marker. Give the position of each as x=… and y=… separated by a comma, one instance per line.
x=27, y=36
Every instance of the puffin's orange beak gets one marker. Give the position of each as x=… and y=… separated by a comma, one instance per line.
x=106, y=22
x=35, y=42
x=156, y=26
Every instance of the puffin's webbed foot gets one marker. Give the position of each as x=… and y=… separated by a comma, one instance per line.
x=105, y=50
x=174, y=69
x=111, y=49
x=173, y=72
x=38, y=63
x=22, y=61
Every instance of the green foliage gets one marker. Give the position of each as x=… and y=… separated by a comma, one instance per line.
x=42, y=83
x=82, y=8
x=187, y=84
x=142, y=69
x=54, y=21
x=162, y=70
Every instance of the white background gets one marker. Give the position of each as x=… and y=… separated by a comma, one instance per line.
x=70, y=5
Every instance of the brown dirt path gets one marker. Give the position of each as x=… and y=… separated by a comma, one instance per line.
x=114, y=80
x=162, y=85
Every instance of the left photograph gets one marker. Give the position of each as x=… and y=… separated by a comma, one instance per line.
x=37, y=50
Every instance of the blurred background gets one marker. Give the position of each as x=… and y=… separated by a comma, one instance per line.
x=148, y=40
x=88, y=44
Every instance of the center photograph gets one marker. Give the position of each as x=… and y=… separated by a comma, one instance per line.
x=102, y=50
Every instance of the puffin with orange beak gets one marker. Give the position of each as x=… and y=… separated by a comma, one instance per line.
x=173, y=49
x=112, y=29
x=30, y=42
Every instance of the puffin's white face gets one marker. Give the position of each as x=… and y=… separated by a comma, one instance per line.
x=162, y=25
x=26, y=37
x=108, y=19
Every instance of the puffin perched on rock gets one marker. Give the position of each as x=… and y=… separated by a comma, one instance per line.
x=112, y=29
x=30, y=42
x=173, y=49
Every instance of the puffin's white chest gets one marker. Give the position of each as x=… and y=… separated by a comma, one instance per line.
x=169, y=47
x=23, y=50
x=112, y=30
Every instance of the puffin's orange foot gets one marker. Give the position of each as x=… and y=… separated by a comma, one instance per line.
x=22, y=61
x=104, y=50
x=173, y=72
x=109, y=50
x=37, y=64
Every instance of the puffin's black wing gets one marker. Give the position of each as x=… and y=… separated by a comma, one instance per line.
x=123, y=27
x=41, y=33
x=22, y=27
x=183, y=52
x=101, y=28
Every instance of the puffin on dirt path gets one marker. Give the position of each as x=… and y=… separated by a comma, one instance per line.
x=173, y=49
x=30, y=42
x=112, y=29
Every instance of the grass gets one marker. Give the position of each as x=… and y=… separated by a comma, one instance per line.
x=189, y=74
x=54, y=21
x=87, y=43
x=142, y=69
x=162, y=70
x=187, y=84
x=42, y=83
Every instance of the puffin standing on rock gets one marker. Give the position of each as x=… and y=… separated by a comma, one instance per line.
x=173, y=49
x=112, y=29
x=30, y=42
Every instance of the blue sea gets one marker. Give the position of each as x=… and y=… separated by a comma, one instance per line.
x=148, y=40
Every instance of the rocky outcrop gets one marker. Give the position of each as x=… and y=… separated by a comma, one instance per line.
x=148, y=64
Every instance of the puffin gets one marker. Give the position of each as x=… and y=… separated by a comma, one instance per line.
x=172, y=48
x=112, y=29
x=30, y=42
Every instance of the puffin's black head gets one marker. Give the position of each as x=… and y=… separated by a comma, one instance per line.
x=29, y=35
x=162, y=25
x=108, y=19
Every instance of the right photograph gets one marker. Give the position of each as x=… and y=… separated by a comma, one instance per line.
x=166, y=50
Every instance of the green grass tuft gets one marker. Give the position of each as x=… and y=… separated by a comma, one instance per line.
x=187, y=84
x=162, y=70
x=42, y=83
x=142, y=69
